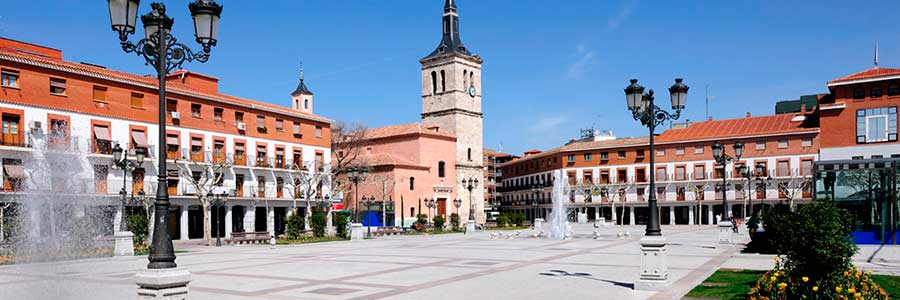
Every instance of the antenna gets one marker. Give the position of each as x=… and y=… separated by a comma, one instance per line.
x=707, y=101
x=876, y=54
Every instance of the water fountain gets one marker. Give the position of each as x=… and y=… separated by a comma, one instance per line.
x=557, y=226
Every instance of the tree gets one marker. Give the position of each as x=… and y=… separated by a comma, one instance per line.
x=617, y=191
x=793, y=187
x=306, y=182
x=347, y=142
x=698, y=189
x=204, y=178
x=384, y=185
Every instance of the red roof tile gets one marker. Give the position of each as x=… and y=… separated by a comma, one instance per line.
x=404, y=129
x=752, y=126
x=24, y=57
x=387, y=159
x=619, y=142
x=868, y=74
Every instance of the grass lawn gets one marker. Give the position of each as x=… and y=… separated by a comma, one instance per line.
x=736, y=285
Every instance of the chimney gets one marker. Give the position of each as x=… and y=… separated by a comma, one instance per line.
x=748, y=115
x=710, y=118
x=196, y=81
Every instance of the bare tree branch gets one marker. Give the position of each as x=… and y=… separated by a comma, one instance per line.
x=203, y=178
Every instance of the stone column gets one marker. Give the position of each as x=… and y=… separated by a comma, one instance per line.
x=671, y=215
x=709, y=213
x=184, y=222
x=228, y=221
x=117, y=220
x=597, y=213
x=615, y=218
x=250, y=218
x=270, y=220
x=691, y=215
x=631, y=216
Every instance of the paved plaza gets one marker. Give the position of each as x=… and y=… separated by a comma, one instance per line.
x=450, y=266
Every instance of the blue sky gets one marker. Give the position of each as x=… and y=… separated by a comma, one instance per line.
x=551, y=67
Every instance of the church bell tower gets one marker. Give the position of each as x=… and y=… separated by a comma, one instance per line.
x=451, y=100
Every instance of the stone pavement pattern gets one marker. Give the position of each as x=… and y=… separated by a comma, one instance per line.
x=451, y=266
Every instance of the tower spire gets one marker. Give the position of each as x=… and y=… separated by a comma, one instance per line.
x=450, y=41
x=301, y=71
x=301, y=88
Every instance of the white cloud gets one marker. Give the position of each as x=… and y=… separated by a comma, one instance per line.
x=624, y=13
x=583, y=58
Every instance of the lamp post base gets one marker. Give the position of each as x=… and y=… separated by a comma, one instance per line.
x=163, y=284
x=124, y=243
x=654, y=270
x=538, y=224
x=470, y=227
x=356, y=232
x=725, y=232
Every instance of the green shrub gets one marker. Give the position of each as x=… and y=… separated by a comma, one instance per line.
x=816, y=245
x=454, y=221
x=318, y=222
x=518, y=219
x=421, y=221
x=295, y=225
x=341, y=220
x=140, y=227
x=439, y=222
x=503, y=220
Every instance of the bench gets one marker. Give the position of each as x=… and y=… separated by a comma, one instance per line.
x=249, y=237
x=388, y=230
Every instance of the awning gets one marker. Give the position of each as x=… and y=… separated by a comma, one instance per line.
x=101, y=133
x=239, y=147
x=14, y=171
x=140, y=139
x=198, y=143
x=172, y=140
x=279, y=151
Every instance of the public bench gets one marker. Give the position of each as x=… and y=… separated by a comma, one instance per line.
x=388, y=230
x=249, y=237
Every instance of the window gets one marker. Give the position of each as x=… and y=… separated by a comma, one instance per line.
x=195, y=110
x=760, y=145
x=621, y=154
x=679, y=173
x=412, y=183
x=219, y=150
x=239, y=117
x=239, y=154
x=297, y=130
x=196, y=149
x=441, y=166
x=9, y=78
x=279, y=125
x=137, y=100
x=587, y=157
x=782, y=144
x=469, y=153
x=443, y=81
x=217, y=114
x=58, y=136
x=319, y=131
x=99, y=93
x=661, y=174
x=699, y=172
x=893, y=89
x=279, y=158
x=806, y=142
x=172, y=146
x=639, y=154
x=261, y=122
x=765, y=169
x=171, y=105
x=806, y=167
x=279, y=187
x=102, y=142
x=784, y=168
x=261, y=187
x=876, y=125
x=571, y=158
x=859, y=93
x=57, y=86
x=306, y=104
x=101, y=175
x=433, y=82
x=604, y=156
x=660, y=152
x=679, y=151
x=875, y=92
x=698, y=150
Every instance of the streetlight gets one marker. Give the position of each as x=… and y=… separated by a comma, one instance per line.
x=762, y=182
x=536, y=188
x=369, y=202
x=457, y=202
x=654, y=273
x=470, y=184
x=430, y=203
x=388, y=206
x=722, y=159
x=122, y=162
x=217, y=199
x=355, y=175
x=161, y=50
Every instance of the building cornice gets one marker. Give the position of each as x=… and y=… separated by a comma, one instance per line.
x=452, y=111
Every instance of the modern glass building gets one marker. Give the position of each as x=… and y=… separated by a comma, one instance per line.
x=868, y=188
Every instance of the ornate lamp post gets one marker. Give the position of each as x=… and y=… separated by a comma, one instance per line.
x=389, y=207
x=654, y=272
x=162, y=51
x=218, y=199
x=457, y=203
x=121, y=161
x=722, y=159
x=536, y=189
x=744, y=172
x=762, y=181
x=368, y=202
x=470, y=184
x=355, y=175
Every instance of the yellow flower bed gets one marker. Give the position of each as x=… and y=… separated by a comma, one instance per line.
x=779, y=284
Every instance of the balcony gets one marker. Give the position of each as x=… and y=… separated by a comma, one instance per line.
x=239, y=160
x=101, y=147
